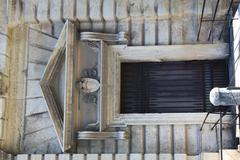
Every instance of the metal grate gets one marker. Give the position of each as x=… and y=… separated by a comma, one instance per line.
x=170, y=87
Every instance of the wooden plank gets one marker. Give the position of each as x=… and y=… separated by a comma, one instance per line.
x=56, y=10
x=64, y=157
x=150, y=157
x=137, y=139
x=193, y=139
x=151, y=139
x=69, y=9
x=179, y=139
x=78, y=157
x=165, y=138
x=43, y=10
x=50, y=157
x=36, y=157
x=121, y=156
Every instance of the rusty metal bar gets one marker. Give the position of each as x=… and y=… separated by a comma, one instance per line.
x=203, y=7
x=214, y=16
x=229, y=8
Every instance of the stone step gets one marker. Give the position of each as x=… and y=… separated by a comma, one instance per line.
x=135, y=156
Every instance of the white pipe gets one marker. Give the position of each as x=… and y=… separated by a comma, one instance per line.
x=224, y=96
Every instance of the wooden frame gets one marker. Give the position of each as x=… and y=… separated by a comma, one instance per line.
x=64, y=52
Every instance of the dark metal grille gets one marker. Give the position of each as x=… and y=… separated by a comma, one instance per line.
x=170, y=87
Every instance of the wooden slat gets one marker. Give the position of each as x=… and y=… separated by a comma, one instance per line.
x=137, y=139
x=151, y=139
